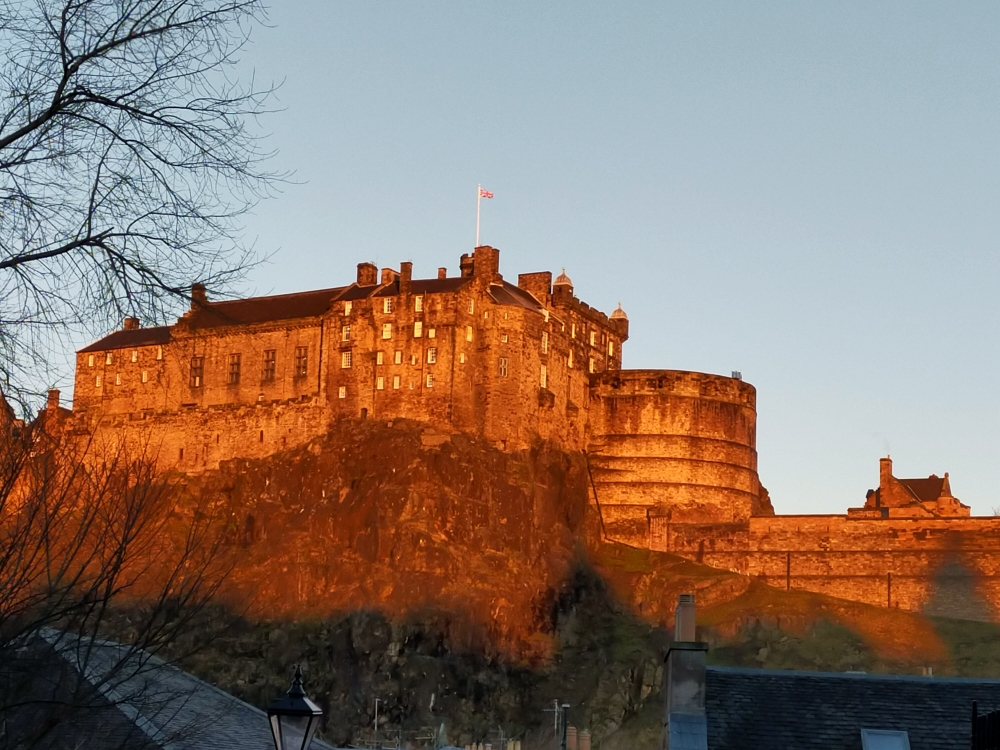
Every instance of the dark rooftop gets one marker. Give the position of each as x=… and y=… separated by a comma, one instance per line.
x=777, y=710
x=131, y=339
x=264, y=309
x=508, y=294
x=924, y=489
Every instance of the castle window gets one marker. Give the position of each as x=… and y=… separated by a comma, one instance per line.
x=413, y=359
x=432, y=355
x=380, y=383
x=145, y=376
x=107, y=358
x=545, y=342
x=345, y=360
x=418, y=329
x=197, y=372
x=418, y=303
x=398, y=359
x=379, y=358
x=430, y=380
x=347, y=307
x=387, y=305
x=593, y=338
x=342, y=392
x=611, y=348
x=97, y=382
x=431, y=333
x=505, y=315
x=569, y=360
x=135, y=355
x=544, y=377
x=90, y=360
x=503, y=338
x=591, y=364
x=468, y=333
x=546, y=314
x=395, y=382
x=301, y=361
x=270, y=364
x=234, y=368
x=387, y=330
x=345, y=333
x=572, y=330
x=118, y=378
x=159, y=352
x=503, y=367
x=472, y=306
x=461, y=358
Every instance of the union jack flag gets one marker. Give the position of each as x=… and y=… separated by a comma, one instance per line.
x=485, y=193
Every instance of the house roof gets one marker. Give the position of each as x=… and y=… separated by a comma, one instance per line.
x=924, y=489
x=776, y=709
x=424, y=286
x=264, y=309
x=172, y=709
x=508, y=294
x=131, y=339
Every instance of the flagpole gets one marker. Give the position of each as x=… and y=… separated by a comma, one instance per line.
x=479, y=200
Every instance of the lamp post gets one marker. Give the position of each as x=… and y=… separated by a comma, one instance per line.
x=293, y=717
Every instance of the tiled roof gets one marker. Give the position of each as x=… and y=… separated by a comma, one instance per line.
x=425, y=286
x=354, y=292
x=924, y=489
x=264, y=309
x=174, y=710
x=508, y=294
x=131, y=339
x=777, y=710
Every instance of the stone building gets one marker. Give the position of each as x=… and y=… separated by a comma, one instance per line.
x=910, y=498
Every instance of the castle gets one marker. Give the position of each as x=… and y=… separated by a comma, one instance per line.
x=671, y=454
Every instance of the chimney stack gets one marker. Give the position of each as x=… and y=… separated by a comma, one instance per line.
x=52, y=402
x=388, y=276
x=685, y=725
x=199, y=297
x=405, y=276
x=130, y=324
x=884, y=472
x=466, y=265
x=442, y=273
x=367, y=274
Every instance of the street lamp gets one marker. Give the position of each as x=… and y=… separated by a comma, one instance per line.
x=293, y=717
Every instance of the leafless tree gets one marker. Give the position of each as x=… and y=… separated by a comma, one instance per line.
x=128, y=154
x=93, y=545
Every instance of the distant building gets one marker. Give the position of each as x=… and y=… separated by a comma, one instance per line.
x=910, y=498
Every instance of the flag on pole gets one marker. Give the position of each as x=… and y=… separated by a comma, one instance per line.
x=485, y=193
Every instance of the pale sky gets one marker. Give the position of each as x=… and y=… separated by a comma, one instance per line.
x=805, y=192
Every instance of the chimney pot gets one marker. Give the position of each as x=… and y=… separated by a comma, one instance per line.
x=130, y=324
x=442, y=273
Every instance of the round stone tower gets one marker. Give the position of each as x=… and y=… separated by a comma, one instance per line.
x=669, y=446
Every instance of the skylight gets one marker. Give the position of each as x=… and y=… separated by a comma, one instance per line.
x=884, y=739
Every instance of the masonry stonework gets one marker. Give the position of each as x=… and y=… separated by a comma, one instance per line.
x=672, y=454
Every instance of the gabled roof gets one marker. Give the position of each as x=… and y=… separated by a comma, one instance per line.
x=769, y=709
x=924, y=489
x=131, y=339
x=263, y=309
x=508, y=294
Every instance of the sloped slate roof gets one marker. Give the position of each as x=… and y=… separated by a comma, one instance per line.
x=173, y=709
x=777, y=709
x=508, y=294
x=264, y=309
x=131, y=339
x=924, y=489
x=424, y=286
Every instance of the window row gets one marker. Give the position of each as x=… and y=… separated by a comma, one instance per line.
x=109, y=357
x=99, y=381
x=380, y=383
x=268, y=369
x=418, y=332
x=388, y=305
x=347, y=358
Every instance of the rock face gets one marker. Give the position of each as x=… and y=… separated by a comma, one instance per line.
x=400, y=517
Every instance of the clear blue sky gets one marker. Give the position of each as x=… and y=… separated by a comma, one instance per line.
x=806, y=192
